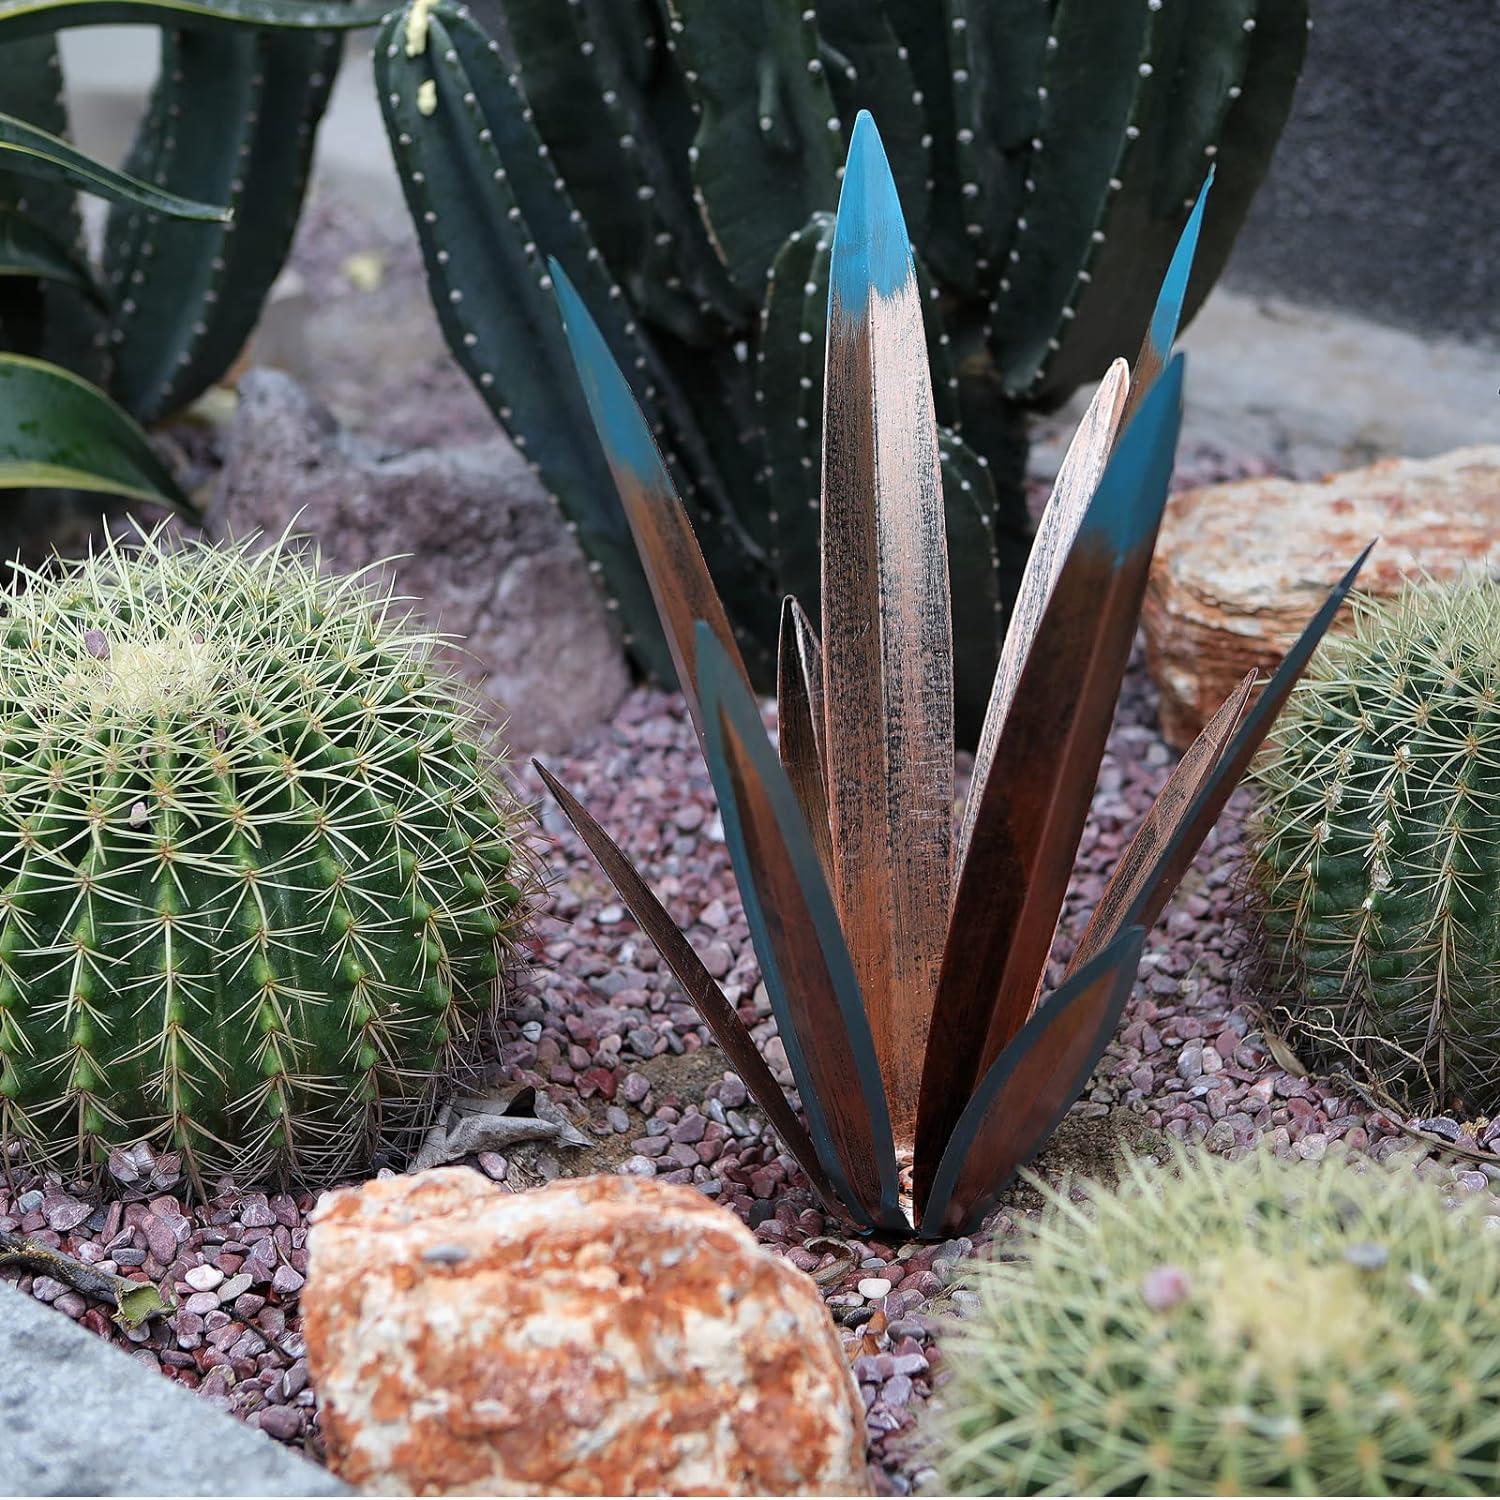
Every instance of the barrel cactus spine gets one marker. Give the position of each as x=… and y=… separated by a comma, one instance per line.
x=1050, y=152
x=1376, y=849
x=258, y=880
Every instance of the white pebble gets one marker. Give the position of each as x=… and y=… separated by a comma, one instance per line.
x=873, y=1287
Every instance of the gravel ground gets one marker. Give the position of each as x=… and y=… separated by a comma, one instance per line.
x=600, y=1027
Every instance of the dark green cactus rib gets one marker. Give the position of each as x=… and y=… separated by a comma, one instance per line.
x=488, y=203
x=789, y=393
x=925, y=29
x=43, y=226
x=280, y=870
x=591, y=73
x=974, y=581
x=1005, y=44
x=867, y=68
x=233, y=119
x=766, y=153
x=1088, y=119
x=31, y=18
x=1258, y=78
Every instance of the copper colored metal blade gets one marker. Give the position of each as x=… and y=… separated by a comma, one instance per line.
x=805, y=964
x=1022, y=1099
x=679, y=578
x=1192, y=828
x=799, y=708
x=729, y=1031
x=1156, y=830
x=1035, y=799
x=1082, y=467
x=887, y=630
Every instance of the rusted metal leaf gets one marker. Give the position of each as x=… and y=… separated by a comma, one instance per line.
x=805, y=963
x=1190, y=831
x=1161, y=334
x=1158, y=826
x=680, y=583
x=1034, y=801
x=1077, y=479
x=1032, y=1084
x=729, y=1031
x=799, y=706
x=887, y=633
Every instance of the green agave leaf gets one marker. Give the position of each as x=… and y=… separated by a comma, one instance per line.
x=39, y=153
x=20, y=18
x=26, y=249
x=60, y=432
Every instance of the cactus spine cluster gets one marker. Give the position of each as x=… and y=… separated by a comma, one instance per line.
x=257, y=878
x=1225, y=1328
x=1377, y=847
x=680, y=159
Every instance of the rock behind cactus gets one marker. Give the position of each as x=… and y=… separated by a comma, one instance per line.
x=1377, y=848
x=256, y=876
x=1250, y=1327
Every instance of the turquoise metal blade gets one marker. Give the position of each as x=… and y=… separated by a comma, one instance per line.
x=681, y=587
x=1034, y=801
x=806, y=965
x=1161, y=333
x=1023, y=1097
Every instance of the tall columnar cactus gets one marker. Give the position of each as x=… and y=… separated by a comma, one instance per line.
x=202, y=219
x=1377, y=847
x=1233, y=1328
x=681, y=159
x=257, y=880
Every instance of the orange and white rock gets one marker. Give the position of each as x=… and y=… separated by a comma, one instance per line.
x=1240, y=568
x=603, y=1336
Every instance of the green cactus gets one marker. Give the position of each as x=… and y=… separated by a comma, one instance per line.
x=1048, y=152
x=1376, y=848
x=1228, y=1328
x=232, y=120
x=257, y=880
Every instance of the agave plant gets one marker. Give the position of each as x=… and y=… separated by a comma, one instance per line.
x=905, y=963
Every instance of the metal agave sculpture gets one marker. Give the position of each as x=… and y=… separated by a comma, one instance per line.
x=904, y=963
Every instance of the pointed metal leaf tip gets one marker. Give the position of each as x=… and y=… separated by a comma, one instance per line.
x=1171, y=864
x=871, y=250
x=681, y=587
x=722, y=1018
x=618, y=419
x=1168, y=313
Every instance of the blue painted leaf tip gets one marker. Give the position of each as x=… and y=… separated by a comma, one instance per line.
x=617, y=417
x=871, y=248
x=1168, y=314
x=1127, y=506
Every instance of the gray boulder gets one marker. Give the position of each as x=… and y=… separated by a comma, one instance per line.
x=474, y=542
x=78, y=1417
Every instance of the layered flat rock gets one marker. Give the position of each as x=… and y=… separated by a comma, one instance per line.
x=1241, y=567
